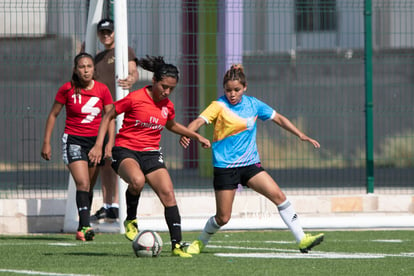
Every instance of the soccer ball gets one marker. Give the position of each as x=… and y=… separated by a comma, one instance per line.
x=147, y=244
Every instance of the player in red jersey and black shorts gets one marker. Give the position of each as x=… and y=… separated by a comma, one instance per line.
x=84, y=99
x=105, y=73
x=136, y=156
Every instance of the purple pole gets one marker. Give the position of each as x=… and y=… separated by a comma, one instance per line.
x=189, y=69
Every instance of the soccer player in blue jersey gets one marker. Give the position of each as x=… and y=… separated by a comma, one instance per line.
x=236, y=159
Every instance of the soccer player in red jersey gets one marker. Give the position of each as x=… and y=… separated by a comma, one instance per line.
x=136, y=156
x=105, y=73
x=84, y=99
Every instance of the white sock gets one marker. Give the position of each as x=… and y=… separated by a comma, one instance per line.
x=209, y=230
x=106, y=205
x=115, y=205
x=289, y=216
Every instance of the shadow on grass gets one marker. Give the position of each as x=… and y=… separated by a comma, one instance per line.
x=88, y=254
x=38, y=237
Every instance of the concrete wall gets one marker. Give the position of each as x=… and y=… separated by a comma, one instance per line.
x=21, y=216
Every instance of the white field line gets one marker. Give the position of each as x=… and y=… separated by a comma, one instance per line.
x=32, y=272
x=389, y=241
x=315, y=255
x=278, y=253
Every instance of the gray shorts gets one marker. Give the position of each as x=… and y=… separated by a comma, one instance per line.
x=76, y=148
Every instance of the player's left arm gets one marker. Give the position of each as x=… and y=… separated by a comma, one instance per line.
x=179, y=129
x=285, y=123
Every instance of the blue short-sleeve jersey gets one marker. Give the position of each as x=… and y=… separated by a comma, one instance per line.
x=234, y=140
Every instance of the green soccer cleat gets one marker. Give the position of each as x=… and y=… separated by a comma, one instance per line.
x=309, y=241
x=131, y=229
x=85, y=234
x=195, y=247
x=178, y=251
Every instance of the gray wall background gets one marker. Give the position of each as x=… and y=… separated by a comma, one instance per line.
x=315, y=77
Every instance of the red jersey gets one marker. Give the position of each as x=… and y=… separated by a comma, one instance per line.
x=143, y=121
x=83, y=111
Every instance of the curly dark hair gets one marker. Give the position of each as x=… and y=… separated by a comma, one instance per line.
x=157, y=65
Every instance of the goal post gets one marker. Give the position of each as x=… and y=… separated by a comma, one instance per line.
x=121, y=72
x=94, y=15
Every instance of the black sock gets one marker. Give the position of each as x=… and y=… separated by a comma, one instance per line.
x=132, y=205
x=90, y=195
x=82, y=202
x=173, y=219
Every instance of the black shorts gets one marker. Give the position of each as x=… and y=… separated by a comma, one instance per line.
x=149, y=161
x=230, y=178
x=75, y=148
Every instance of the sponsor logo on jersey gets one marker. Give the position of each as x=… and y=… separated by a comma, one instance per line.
x=164, y=112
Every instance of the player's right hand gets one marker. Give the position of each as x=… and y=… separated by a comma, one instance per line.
x=46, y=152
x=185, y=141
x=95, y=155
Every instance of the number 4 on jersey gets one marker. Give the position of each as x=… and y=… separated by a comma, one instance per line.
x=89, y=109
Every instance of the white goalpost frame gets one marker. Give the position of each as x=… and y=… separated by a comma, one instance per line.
x=70, y=223
x=121, y=72
x=94, y=15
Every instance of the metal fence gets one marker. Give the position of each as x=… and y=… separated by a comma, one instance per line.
x=306, y=58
